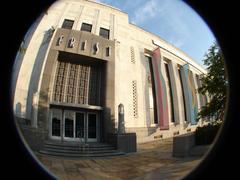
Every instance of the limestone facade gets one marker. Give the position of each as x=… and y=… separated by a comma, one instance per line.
x=123, y=59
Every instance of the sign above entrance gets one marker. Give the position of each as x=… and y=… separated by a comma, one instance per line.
x=84, y=43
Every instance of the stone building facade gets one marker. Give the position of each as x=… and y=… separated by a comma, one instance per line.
x=81, y=59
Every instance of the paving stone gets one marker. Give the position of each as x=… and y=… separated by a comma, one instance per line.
x=152, y=161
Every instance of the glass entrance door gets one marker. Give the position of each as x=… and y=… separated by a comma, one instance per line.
x=68, y=130
x=92, y=127
x=86, y=127
x=80, y=126
x=74, y=126
x=55, y=124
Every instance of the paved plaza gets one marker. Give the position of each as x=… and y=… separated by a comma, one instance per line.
x=152, y=161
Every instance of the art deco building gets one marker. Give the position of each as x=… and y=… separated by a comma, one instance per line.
x=81, y=59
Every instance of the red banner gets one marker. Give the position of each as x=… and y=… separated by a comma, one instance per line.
x=161, y=91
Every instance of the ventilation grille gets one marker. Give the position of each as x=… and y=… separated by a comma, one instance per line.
x=135, y=104
x=132, y=55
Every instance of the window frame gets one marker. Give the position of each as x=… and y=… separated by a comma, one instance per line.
x=168, y=78
x=66, y=26
x=88, y=25
x=104, y=35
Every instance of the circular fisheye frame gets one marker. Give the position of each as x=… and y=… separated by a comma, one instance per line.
x=104, y=89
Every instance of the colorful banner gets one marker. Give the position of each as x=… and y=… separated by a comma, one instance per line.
x=190, y=94
x=161, y=91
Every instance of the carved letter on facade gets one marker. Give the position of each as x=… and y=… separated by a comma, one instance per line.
x=84, y=45
x=60, y=40
x=108, y=51
x=71, y=42
x=96, y=48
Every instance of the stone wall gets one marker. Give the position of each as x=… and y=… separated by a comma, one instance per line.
x=34, y=137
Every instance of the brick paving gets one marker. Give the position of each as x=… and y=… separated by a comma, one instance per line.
x=152, y=161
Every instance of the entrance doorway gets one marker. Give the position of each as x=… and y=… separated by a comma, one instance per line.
x=86, y=126
x=78, y=126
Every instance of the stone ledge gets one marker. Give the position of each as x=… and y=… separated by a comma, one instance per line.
x=184, y=145
x=126, y=142
x=199, y=150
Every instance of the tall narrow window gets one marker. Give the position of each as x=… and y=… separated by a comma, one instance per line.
x=67, y=24
x=104, y=33
x=151, y=91
x=86, y=27
x=183, y=97
x=169, y=88
x=71, y=83
x=60, y=81
x=94, y=85
x=83, y=84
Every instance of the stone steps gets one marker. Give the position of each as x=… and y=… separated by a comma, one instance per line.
x=79, y=155
x=80, y=151
x=76, y=144
x=75, y=149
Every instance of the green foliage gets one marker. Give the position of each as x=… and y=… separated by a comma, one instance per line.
x=214, y=83
x=205, y=135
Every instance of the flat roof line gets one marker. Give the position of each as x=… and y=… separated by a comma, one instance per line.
x=178, y=57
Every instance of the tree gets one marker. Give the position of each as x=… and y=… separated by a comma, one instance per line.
x=214, y=83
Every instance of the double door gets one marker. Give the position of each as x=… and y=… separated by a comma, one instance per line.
x=74, y=126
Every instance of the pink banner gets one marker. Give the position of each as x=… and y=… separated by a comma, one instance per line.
x=160, y=87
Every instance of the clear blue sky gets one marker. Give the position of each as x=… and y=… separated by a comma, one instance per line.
x=172, y=20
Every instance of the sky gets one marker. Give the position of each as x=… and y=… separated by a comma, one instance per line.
x=173, y=20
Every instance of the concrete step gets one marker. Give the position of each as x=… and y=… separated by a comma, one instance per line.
x=76, y=144
x=76, y=149
x=79, y=151
x=105, y=154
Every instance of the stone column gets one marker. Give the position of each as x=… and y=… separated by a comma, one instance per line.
x=35, y=109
